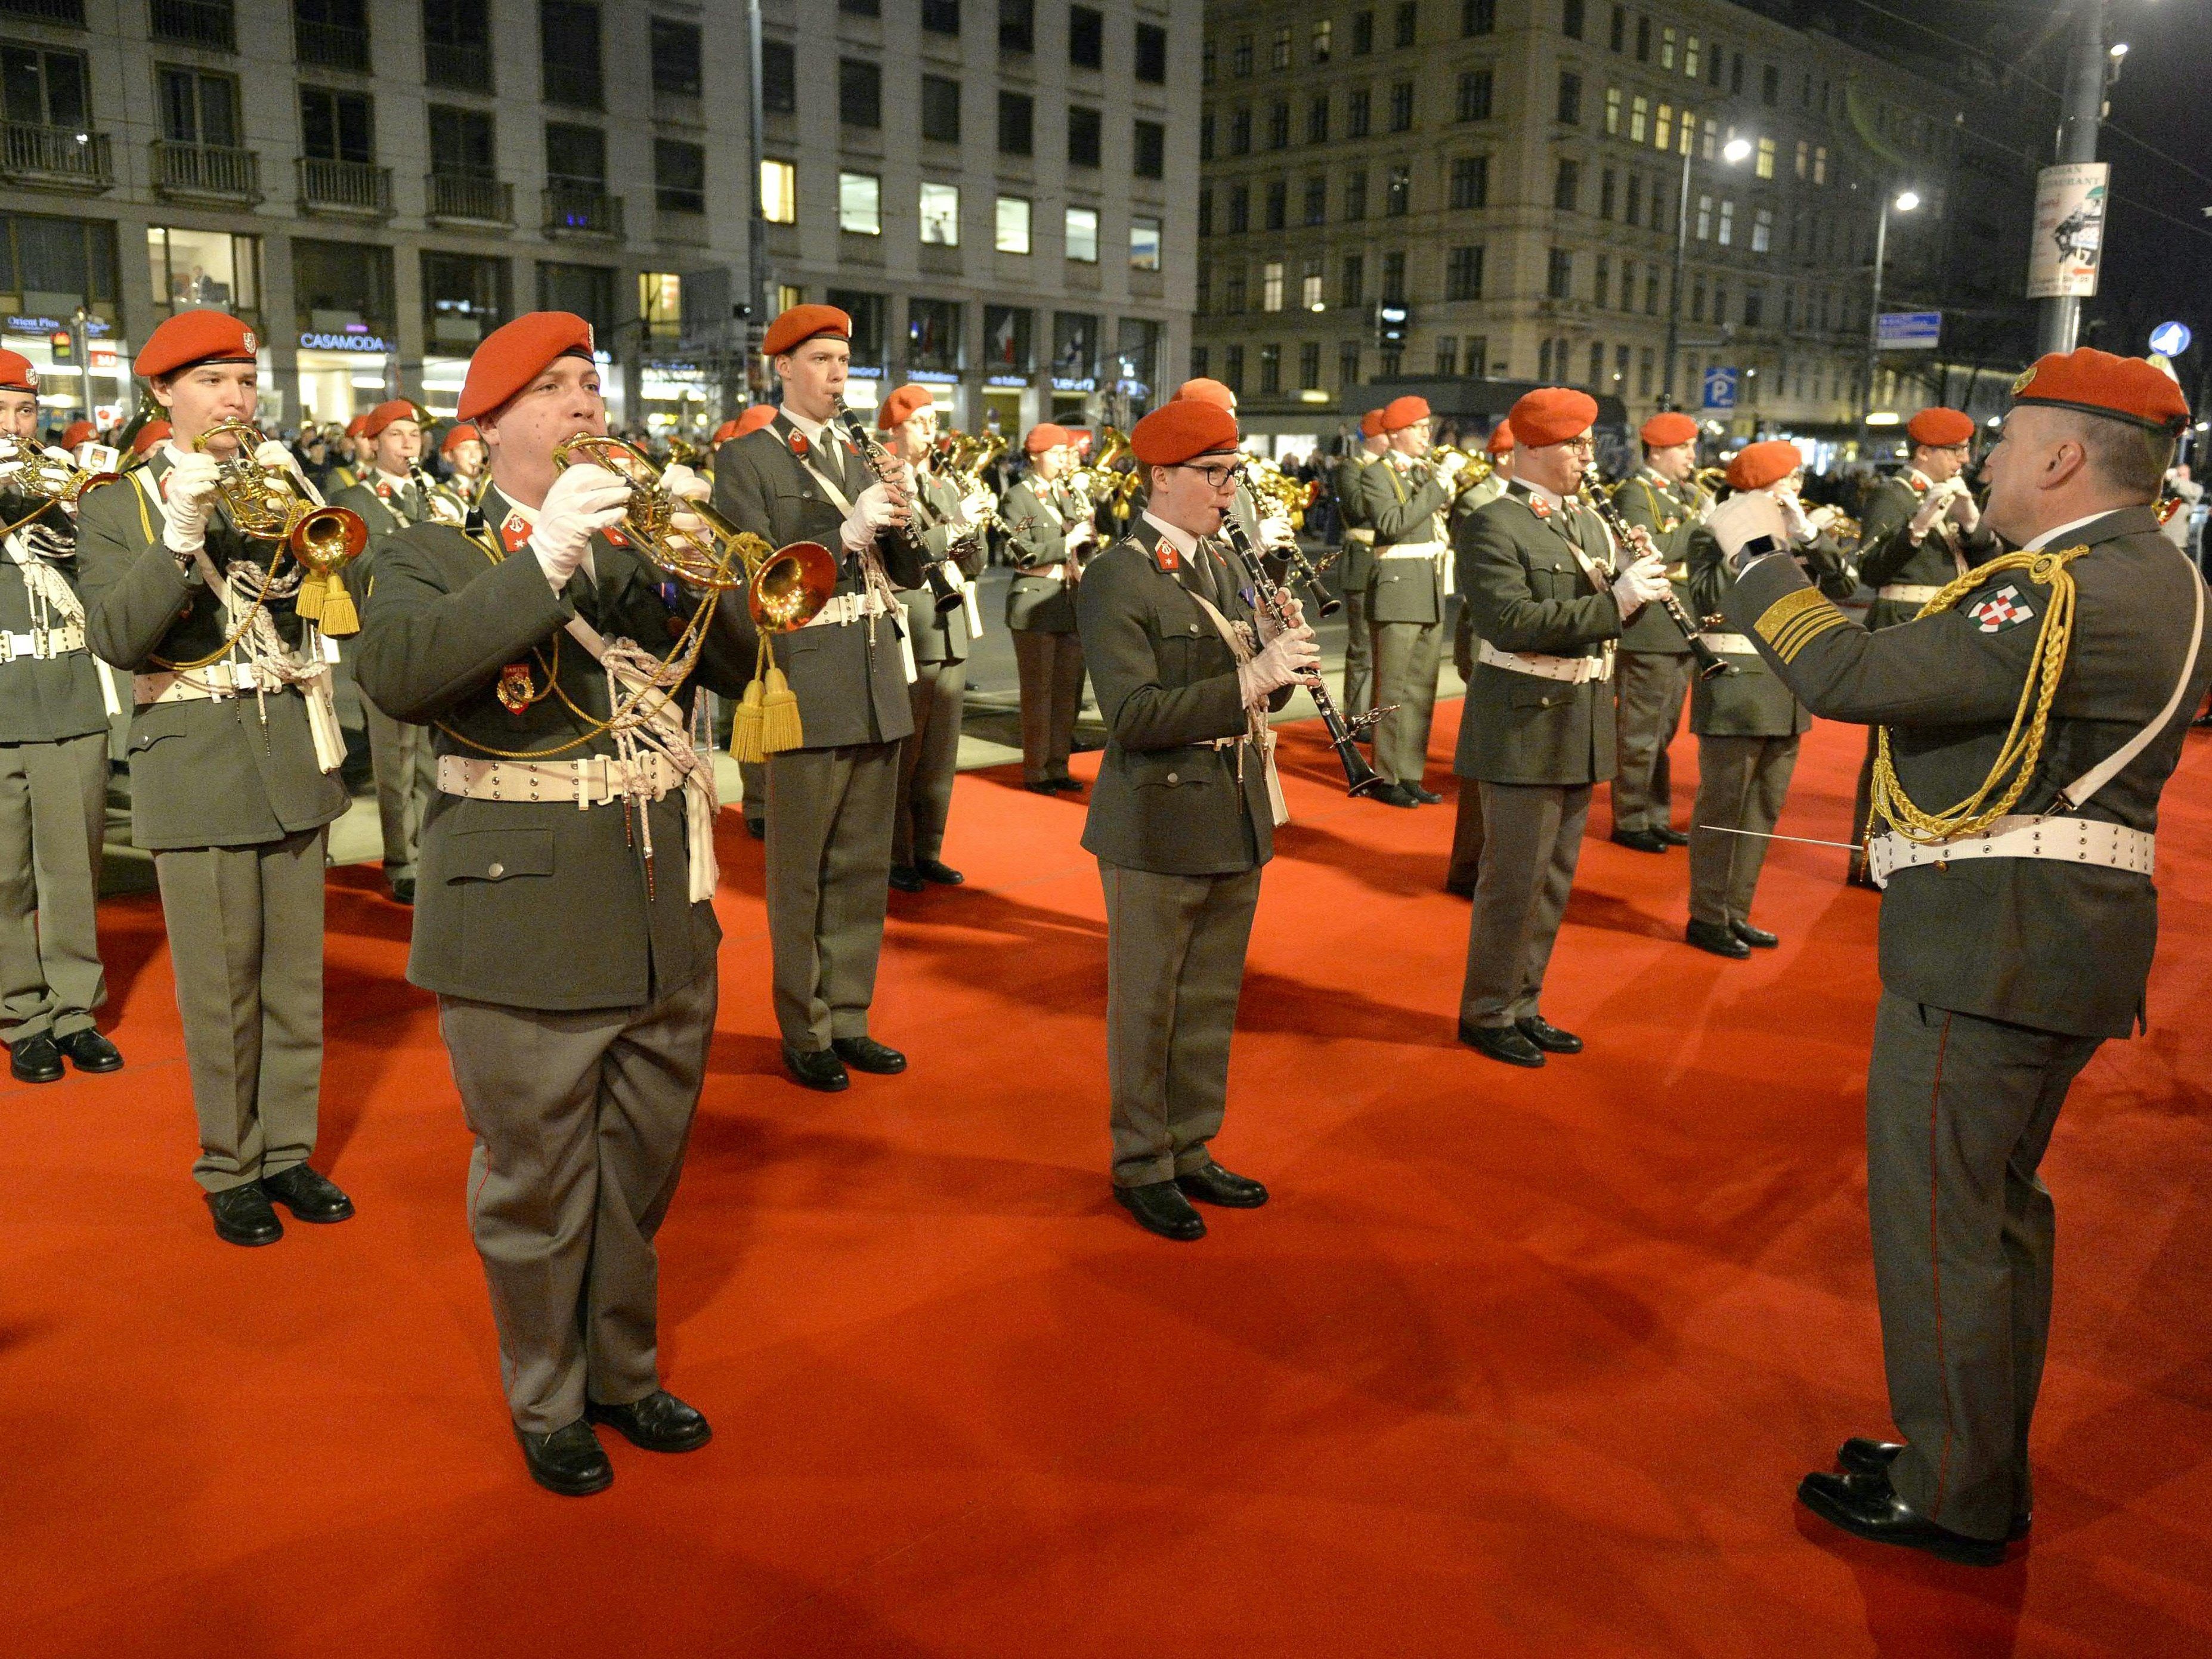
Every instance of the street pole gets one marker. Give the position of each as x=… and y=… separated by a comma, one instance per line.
x=759, y=314
x=1675, y=300
x=2058, y=324
x=1874, y=308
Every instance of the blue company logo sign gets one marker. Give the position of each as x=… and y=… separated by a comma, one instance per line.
x=1719, y=388
x=2170, y=339
x=345, y=343
x=1903, y=330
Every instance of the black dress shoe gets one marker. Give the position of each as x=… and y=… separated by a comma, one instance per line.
x=1547, y=1037
x=569, y=1460
x=307, y=1195
x=865, y=1053
x=1757, y=937
x=1213, y=1184
x=816, y=1068
x=1868, y=1506
x=757, y=828
x=1065, y=784
x=1864, y=1459
x=35, y=1059
x=1393, y=795
x=942, y=873
x=402, y=890
x=1160, y=1207
x=1671, y=835
x=1042, y=787
x=906, y=879
x=1426, y=797
x=1714, y=937
x=1503, y=1042
x=660, y=1422
x=1639, y=841
x=242, y=1215
x=88, y=1051
x=1085, y=745
x=1460, y=890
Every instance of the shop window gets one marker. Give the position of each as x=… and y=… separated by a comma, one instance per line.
x=1074, y=345
x=1009, y=340
x=342, y=288
x=871, y=315
x=660, y=304
x=933, y=335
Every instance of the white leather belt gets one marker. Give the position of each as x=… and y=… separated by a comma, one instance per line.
x=1051, y=573
x=595, y=780
x=2067, y=840
x=42, y=643
x=1731, y=645
x=1574, y=670
x=1414, y=550
x=1907, y=593
x=1359, y=534
x=216, y=683
x=848, y=608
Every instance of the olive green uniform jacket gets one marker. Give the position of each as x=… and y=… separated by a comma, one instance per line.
x=1668, y=512
x=1888, y=555
x=1751, y=703
x=1401, y=503
x=1038, y=517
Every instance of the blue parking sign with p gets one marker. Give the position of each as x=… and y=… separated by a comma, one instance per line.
x=1719, y=388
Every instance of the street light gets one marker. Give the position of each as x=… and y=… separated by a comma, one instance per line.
x=1904, y=201
x=1734, y=153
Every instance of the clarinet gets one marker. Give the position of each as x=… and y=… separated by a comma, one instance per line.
x=1358, y=776
x=1709, y=662
x=886, y=470
x=945, y=594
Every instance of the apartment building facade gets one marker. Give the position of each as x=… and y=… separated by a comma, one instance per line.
x=1494, y=189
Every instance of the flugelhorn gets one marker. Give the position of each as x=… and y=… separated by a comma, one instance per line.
x=277, y=504
x=44, y=475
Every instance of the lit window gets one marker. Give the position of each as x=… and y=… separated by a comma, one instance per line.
x=1804, y=157
x=1613, y=111
x=1012, y=232
x=941, y=215
x=1666, y=49
x=778, y=192
x=1762, y=231
x=1705, y=218
x=1727, y=224
x=1310, y=295
x=1083, y=234
x=1662, y=130
x=860, y=203
x=1690, y=57
x=1143, y=245
x=1820, y=164
x=1766, y=158
x=1639, y=113
x=1271, y=286
x=1321, y=40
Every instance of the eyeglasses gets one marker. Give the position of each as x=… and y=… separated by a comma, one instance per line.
x=1584, y=444
x=1216, y=478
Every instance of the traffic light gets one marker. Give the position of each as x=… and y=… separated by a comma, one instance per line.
x=1394, y=320
x=63, y=344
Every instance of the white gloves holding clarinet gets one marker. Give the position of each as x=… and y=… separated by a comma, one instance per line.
x=1643, y=583
x=1291, y=656
x=875, y=509
x=1942, y=501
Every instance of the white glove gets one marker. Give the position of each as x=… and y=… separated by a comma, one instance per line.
x=1801, y=528
x=1820, y=518
x=1450, y=464
x=1932, y=509
x=1081, y=536
x=1276, y=531
x=1271, y=624
x=1281, y=662
x=190, y=497
x=681, y=482
x=1964, y=513
x=977, y=507
x=1641, y=584
x=1744, y=519
x=582, y=500
x=875, y=509
x=274, y=454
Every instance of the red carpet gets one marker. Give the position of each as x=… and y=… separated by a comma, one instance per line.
x=1515, y=1363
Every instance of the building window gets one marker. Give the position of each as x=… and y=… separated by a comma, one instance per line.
x=1697, y=303
x=197, y=108
x=1355, y=276
x=1240, y=132
x=1279, y=125
x=859, y=92
x=1011, y=234
x=1150, y=150
x=941, y=17
x=1400, y=198
x=1690, y=57
x=1310, y=297
x=1278, y=203
x=1401, y=107
x=1318, y=45
x=940, y=109
x=1271, y=371
x=465, y=298
x=1151, y=54
x=1605, y=193
x=1560, y=275
x=568, y=43
x=1570, y=19
x=1355, y=116
x=1635, y=214
x=1651, y=291
x=1407, y=24
x=1017, y=26
x=456, y=38
x=1317, y=119
x=1240, y=209
x=1820, y=164
x=679, y=176
x=1017, y=117
x=192, y=270
x=933, y=335
x=337, y=286
x=1765, y=163
x=575, y=156
x=779, y=77
x=1705, y=218
x=1232, y=292
x=1355, y=193
x=675, y=54
x=334, y=126
x=1463, y=274
x=1144, y=244
x=1571, y=98
x=1478, y=17
x=1762, y=231
x=1470, y=181
x=1394, y=278
x=1727, y=236
x=940, y=213
x=1083, y=136
x=1278, y=50
x=1613, y=102
x=1628, y=284
x=1086, y=37
x=1271, y=286
x=1232, y=369
x=1205, y=214
x=1644, y=40
x=1347, y=363
x=860, y=203
x=1755, y=308
x=1662, y=128
x=1316, y=210
x=860, y=8
x=1596, y=363
x=1198, y=362
x=1009, y=340
x=1309, y=365
x=778, y=192
x=1566, y=185
x=1083, y=234
x=1240, y=57
x=1639, y=117
x=1474, y=88
x=1601, y=281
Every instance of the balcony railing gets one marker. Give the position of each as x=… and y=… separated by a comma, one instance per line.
x=331, y=45
x=207, y=23
x=458, y=196
x=355, y=187
x=582, y=211
x=450, y=64
x=67, y=158
x=70, y=12
x=206, y=170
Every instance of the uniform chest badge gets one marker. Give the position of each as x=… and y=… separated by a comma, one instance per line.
x=516, y=693
x=2002, y=610
x=383, y=490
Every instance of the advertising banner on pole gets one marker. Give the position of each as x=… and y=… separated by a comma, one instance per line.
x=2069, y=231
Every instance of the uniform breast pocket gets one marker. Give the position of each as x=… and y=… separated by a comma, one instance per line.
x=1183, y=770
x=493, y=857
x=1552, y=578
x=1532, y=691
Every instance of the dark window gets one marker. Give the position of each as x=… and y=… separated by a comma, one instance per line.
x=1401, y=107
x=1309, y=365
x=1232, y=369
x=463, y=298
x=1317, y=119
x=1198, y=362
x=1018, y=26
x=679, y=176
x=1407, y=22
x=941, y=17
x=1621, y=29
x=1271, y=370
x=1606, y=184
x=1347, y=362
x=1009, y=339
x=461, y=143
x=1086, y=37
x=208, y=23
x=1571, y=98
x=1463, y=279
x=73, y=258
x=588, y=291
x=1205, y=135
x=1769, y=84
x=1470, y=181
x=1083, y=136
x=1394, y=278
x=940, y=109
x=1240, y=57
x=1363, y=34
x=1570, y=19
x=676, y=49
x=1355, y=193
x=1478, y=17
x=1559, y=275
x=1151, y=54
x=1735, y=74
x=870, y=312
x=861, y=7
x=1279, y=125
x=1150, y=150
x=1474, y=88
x=1017, y=121
x=1356, y=118
x=1316, y=199
x=1643, y=39
x=456, y=43
x=1355, y=278
x=333, y=33
x=336, y=126
x=1205, y=218
x=575, y=156
x=1755, y=308
x=1240, y=209
x=1398, y=196
x=932, y=334
x=1278, y=207
x=859, y=93
x=1566, y=186
x=342, y=283
x=1240, y=132
x=200, y=108
x=1635, y=214
x=779, y=77
x=568, y=37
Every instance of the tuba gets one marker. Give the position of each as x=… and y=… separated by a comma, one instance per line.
x=275, y=504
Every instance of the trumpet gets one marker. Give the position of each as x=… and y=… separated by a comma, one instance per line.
x=1710, y=478
x=1476, y=468
x=277, y=504
x=45, y=476
x=785, y=586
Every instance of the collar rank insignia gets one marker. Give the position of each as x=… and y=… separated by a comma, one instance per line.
x=2002, y=610
x=798, y=444
x=383, y=490
x=1165, y=555
x=1540, y=506
x=514, y=531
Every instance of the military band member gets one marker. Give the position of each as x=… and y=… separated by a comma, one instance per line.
x=565, y=920
x=389, y=499
x=1266, y=532
x=77, y=433
x=1467, y=811
x=462, y=451
x=1747, y=723
x=1050, y=532
x=951, y=530
x=353, y=463
x=1920, y=528
x=829, y=804
x=55, y=704
x=234, y=751
x=1538, y=571
x=752, y=776
x=1355, y=569
x=2017, y=931
x=1405, y=498
x=1652, y=670
x=1183, y=816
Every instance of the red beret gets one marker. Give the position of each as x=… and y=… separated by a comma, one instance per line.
x=1501, y=439
x=802, y=323
x=384, y=415
x=462, y=433
x=17, y=373
x=152, y=433
x=355, y=425
x=78, y=432
x=2096, y=382
x=1047, y=437
x=902, y=403
x=756, y=417
x=1757, y=465
x=1401, y=412
x=195, y=336
x=1208, y=391
x=1370, y=424
x=514, y=354
x=1666, y=430
x=1552, y=414
x=1176, y=431
x=1940, y=428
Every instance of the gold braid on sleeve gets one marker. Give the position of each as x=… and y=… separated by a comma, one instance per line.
x=2023, y=744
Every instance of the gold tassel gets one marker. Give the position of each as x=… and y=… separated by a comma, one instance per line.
x=340, y=620
x=780, y=727
x=314, y=594
x=746, y=728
